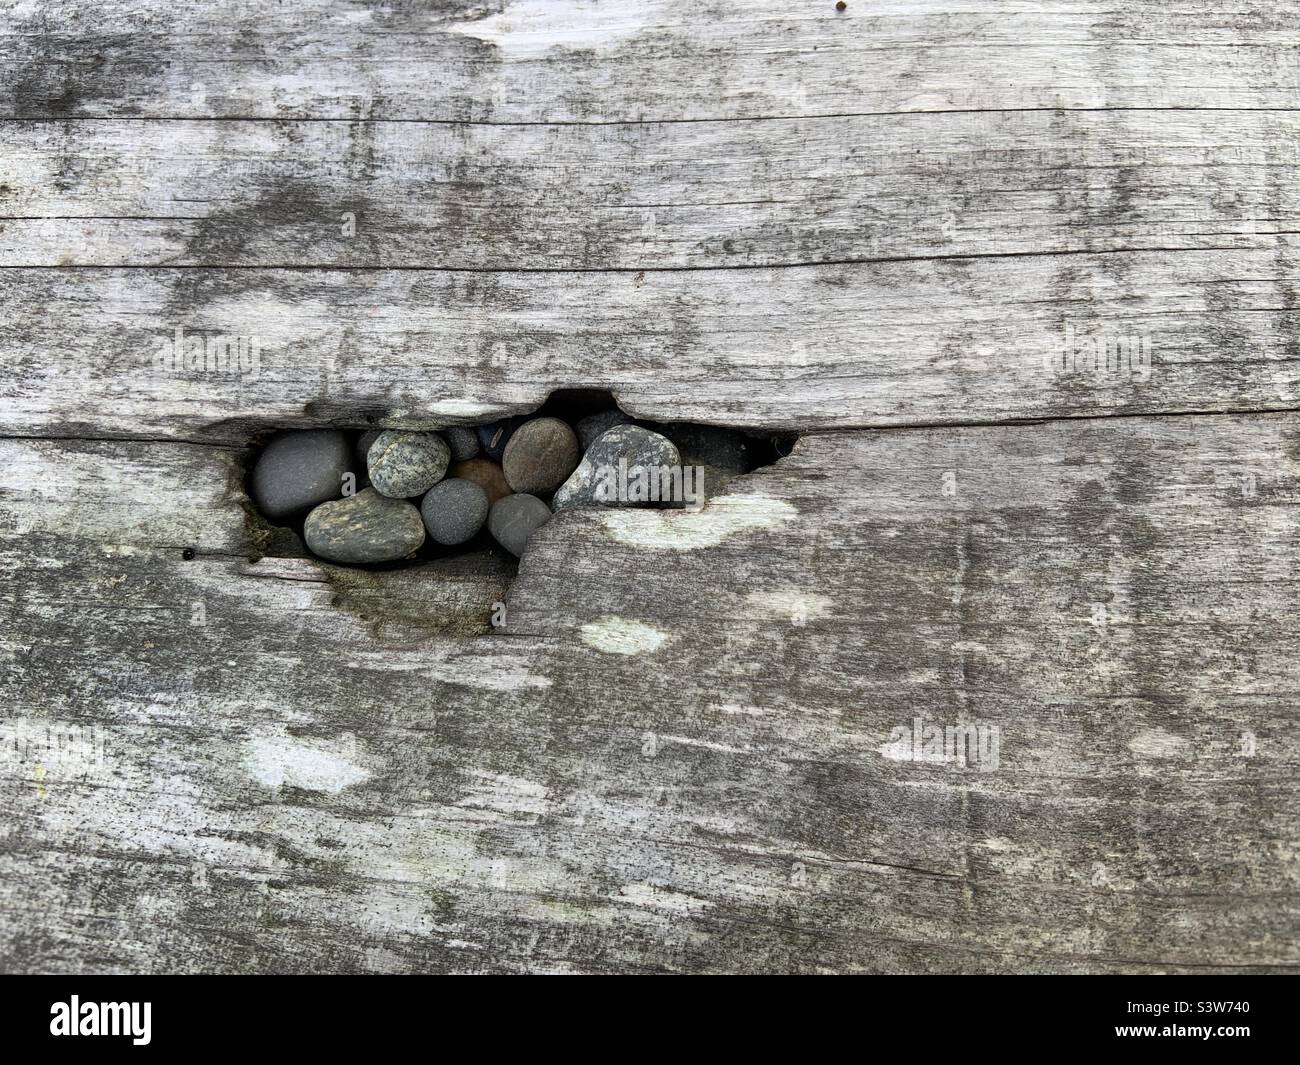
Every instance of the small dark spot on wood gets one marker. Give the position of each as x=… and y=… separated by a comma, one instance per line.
x=188, y=554
x=841, y=5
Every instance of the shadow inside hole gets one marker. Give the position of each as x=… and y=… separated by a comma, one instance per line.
x=283, y=538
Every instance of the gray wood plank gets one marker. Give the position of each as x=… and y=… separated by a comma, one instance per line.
x=633, y=60
x=680, y=754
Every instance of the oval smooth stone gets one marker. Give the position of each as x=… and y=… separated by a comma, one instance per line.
x=298, y=470
x=404, y=464
x=366, y=527
x=454, y=510
x=540, y=456
x=514, y=519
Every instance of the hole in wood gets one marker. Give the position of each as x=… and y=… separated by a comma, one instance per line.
x=378, y=498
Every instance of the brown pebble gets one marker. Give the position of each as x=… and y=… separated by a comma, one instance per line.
x=540, y=456
x=486, y=474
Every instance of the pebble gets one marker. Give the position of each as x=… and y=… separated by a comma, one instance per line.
x=639, y=446
x=363, y=445
x=405, y=464
x=593, y=425
x=463, y=441
x=540, y=456
x=486, y=474
x=300, y=469
x=454, y=510
x=496, y=436
x=515, y=518
x=366, y=527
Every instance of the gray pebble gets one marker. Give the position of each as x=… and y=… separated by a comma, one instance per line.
x=640, y=447
x=593, y=425
x=406, y=464
x=363, y=444
x=463, y=441
x=514, y=519
x=454, y=510
x=366, y=527
x=540, y=456
x=300, y=469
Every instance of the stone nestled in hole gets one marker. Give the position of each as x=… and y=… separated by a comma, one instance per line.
x=464, y=442
x=514, y=519
x=486, y=474
x=624, y=447
x=593, y=425
x=454, y=510
x=404, y=464
x=300, y=469
x=366, y=527
x=540, y=456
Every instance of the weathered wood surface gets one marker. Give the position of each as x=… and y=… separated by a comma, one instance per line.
x=677, y=755
x=680, y=753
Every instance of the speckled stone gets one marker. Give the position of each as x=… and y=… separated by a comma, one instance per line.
x=454, y=510
x=495, y=436
x=486, y=474
x=463, y=441
x=514, y=519
x=366, y=527
x=540, y=456
x=406, y=464
x=298, y=470
x=593, y=425
x=640, y=447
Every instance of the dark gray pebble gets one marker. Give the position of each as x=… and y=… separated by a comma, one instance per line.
x=514, y=519
x=300, y=469
x=593, y=425
x=454, y=510
x=366, y=527
x=540, y=456
x=599, y=467
x=463, y=441
x=406, y=464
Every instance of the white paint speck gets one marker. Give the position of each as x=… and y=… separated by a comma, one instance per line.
x=681, y=530
x=622, y=636
x=313, y=765
x=791, y=603
x=659, y=898
x=532, y=27
x=1157, y=743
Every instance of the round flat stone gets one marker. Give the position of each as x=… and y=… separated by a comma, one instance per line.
x=464, y=442
x=297, y=470
x=496, y=435
x=454, y=510
x=540, y=456
x=593, y=425
x=406, y=464
x=486, y=474
x=612, y=459
x=366, y=527
x=514, y=519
